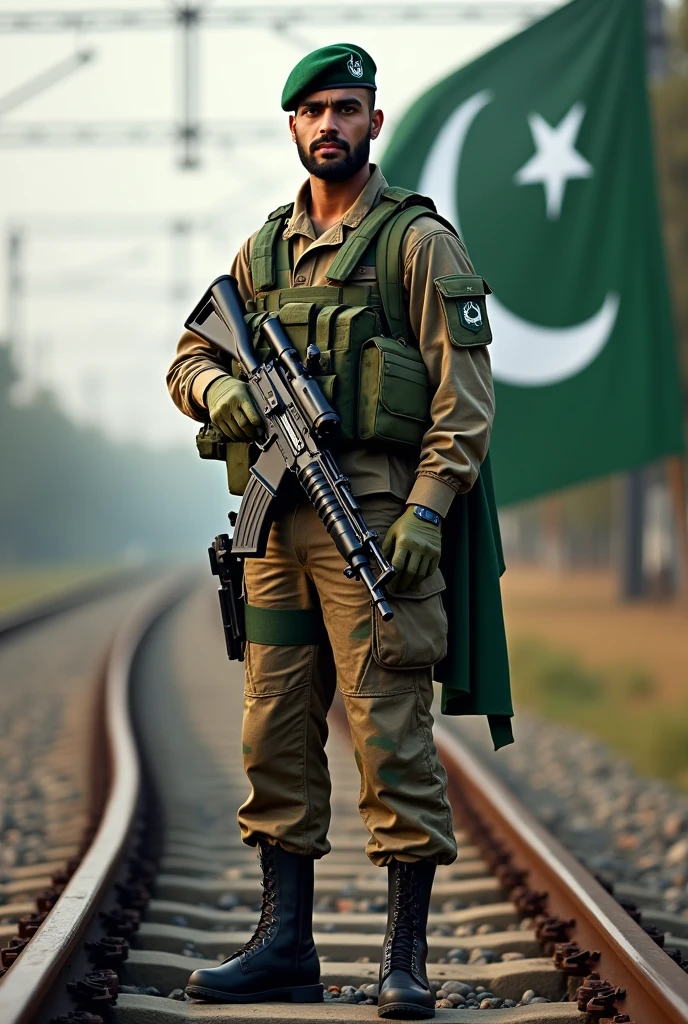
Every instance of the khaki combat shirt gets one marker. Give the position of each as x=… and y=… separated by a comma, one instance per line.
x=462, y=407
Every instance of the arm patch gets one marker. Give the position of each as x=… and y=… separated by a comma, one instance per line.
x=463, y=302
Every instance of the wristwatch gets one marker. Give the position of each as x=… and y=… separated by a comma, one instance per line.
x=427, y=515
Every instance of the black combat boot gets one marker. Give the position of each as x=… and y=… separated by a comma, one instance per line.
x=404, y=990
x=279, y=962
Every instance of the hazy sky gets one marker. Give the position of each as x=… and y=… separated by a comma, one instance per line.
x=97, y=322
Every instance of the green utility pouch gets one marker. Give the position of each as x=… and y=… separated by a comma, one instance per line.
x=350, y=331
x=238, y=461
x=463, y=302
x=394, y=396
x=212, y=444
x=340, y=331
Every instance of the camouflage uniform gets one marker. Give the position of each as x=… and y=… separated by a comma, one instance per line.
x=383, y=670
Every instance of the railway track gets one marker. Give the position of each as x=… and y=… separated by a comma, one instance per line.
x=51, y=657
x=165, y=886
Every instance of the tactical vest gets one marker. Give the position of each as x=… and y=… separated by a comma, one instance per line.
x=370, y=366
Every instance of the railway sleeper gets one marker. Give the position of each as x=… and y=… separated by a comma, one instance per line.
x=179, y=887
x=334, y=866
x=149, y=1010
x=167, y=971
x=498, y=916
x=336, y=946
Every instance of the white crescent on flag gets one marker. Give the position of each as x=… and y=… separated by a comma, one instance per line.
x=524, y=354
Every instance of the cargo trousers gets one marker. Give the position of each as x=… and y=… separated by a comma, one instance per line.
x=383, y=671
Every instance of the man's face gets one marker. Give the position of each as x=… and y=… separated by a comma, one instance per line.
x=333, y=129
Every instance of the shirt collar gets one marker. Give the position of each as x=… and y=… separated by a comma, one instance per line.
x=300, y=222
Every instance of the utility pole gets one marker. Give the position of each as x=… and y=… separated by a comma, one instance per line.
x=190, y=124
x=181, y=231
x=656, y=50
x=674, y=467
x=14, y=288
x=181, y=294
x=633, y=581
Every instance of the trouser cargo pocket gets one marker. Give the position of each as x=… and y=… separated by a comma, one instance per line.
x=417, y=635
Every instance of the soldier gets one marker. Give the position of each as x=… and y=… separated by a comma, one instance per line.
x=385, y=288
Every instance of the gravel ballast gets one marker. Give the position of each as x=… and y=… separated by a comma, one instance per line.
x=624, y=828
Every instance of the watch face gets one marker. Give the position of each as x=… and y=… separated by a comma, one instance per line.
x=427, y=514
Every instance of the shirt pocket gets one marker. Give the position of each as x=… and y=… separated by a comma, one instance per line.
x=463, y=303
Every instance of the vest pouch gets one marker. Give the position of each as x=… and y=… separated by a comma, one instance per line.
x=238, y=462
x=350, y=330
x=394, y=395
x=298, y=320
x=326, y=383
x=213, y=444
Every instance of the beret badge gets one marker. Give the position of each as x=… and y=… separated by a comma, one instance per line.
x=355, y=65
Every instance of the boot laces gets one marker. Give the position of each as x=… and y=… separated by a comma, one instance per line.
x=402, y=944
x=268, y=906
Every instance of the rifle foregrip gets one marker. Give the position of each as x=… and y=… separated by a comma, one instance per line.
x=329, y=509
x=353, y=550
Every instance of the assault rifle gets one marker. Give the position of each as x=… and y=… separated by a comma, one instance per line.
x=298, y=422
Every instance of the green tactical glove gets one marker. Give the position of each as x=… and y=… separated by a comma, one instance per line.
x=413, y=547
x=231, y=409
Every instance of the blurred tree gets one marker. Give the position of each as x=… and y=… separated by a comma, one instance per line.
x=670, y=104
x=69, y=493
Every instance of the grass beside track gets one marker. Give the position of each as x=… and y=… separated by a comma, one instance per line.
x=25, y=585
x=619, y=671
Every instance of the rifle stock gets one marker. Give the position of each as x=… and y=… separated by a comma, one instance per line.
x=219, y=319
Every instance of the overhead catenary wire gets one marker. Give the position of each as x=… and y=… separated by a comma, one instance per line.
x=191, y=131
x=240, y=15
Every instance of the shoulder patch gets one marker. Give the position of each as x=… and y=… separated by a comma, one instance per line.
x=465, y=312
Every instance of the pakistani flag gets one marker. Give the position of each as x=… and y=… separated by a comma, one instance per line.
x=540, y=154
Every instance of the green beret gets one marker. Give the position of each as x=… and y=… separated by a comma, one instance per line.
x=330, y=67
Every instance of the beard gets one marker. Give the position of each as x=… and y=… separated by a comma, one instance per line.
x=339, y=168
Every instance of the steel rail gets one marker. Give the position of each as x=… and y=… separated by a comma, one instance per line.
x=12, y=620
x=29, y=979
x=656, y=988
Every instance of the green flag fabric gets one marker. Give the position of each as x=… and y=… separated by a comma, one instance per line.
x=540, y=154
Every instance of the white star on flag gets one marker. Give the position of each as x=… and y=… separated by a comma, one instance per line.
x=556, y=159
